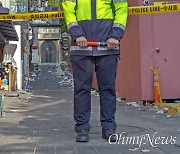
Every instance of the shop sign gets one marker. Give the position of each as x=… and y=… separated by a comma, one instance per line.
x=18, y=6
x=9, y=59
x=48, y=30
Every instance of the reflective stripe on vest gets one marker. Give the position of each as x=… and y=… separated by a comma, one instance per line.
x=115, y=1
x=90, y=48
x=105, y=48
x=119, y=26
x=79, y=48
x=72, y=24
x=69, y=0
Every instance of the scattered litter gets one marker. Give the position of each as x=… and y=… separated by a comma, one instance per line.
x=31, y=116
x=26, y=78
x=145, y=150
x=142, y=109
x=64, y=65
x=160, y=112
x=133, y=104
x=59, y=71
x=29, y=89
x=34, y=75
x=66, y=77
x=14, y=110
x=31, y=79
x=168, y=115
x=57, y=65
x=55, y=129
x=133, y=149
x=11, y=94
x=94, y=92
x=165, y=110
x=61, y=82
x=21, y=92
x=118, y=99
x=152, y=109
x=28, y=98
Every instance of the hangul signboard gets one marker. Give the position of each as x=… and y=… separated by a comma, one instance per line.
x=18, y=6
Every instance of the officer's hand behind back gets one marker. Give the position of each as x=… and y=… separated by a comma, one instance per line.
x=81, y=42
x=112, y=43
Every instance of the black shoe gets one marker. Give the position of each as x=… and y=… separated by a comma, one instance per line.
x=108, y=135
x=82, y=136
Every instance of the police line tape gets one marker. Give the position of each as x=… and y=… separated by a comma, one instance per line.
x=31, y=16
x=138, y=10
x=154, y=9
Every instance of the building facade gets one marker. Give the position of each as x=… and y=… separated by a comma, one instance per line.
x=46, y=37
x=8, y=65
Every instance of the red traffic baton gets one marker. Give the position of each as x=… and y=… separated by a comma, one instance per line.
x=96, y=44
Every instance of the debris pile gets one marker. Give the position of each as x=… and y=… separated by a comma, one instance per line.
x=64, y=74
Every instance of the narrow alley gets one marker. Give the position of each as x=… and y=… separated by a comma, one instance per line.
x=41, y=122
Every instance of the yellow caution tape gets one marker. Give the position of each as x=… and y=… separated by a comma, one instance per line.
x=31, y=16
x=138, y=10
x=154, y=9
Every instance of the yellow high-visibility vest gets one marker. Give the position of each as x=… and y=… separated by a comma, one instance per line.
x=74, y=12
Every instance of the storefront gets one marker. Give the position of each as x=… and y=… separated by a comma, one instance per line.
x=8, y=68
x=49, y=44
x=9, y=76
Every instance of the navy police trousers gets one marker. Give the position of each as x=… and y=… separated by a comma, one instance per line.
x=83, y=68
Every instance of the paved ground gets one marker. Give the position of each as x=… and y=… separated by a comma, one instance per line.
x=40, y=122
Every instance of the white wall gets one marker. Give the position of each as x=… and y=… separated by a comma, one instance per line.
x=5, y=3
x=17, y=57
x=35, y=57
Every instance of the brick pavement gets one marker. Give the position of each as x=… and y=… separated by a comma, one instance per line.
x=40, y=122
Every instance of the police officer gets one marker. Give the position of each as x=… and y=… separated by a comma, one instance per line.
x=97, y=21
